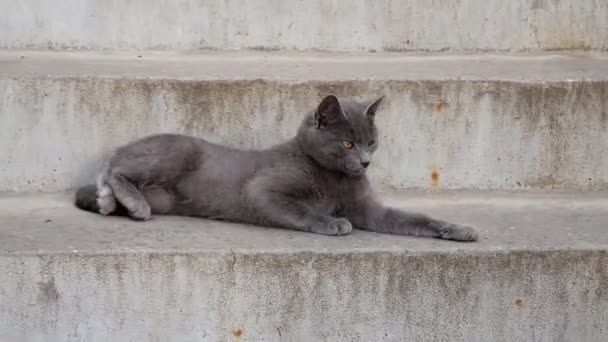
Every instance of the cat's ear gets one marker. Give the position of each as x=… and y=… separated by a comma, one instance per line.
x=371, y=110
x=328, y=112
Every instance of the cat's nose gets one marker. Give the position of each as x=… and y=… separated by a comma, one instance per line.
x=365, y=164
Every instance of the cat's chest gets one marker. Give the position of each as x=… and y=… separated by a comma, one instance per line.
x=331, y=194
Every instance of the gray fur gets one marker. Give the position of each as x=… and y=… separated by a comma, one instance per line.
x=310, y=183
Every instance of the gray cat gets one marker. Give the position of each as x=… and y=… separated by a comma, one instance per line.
x=314, y=182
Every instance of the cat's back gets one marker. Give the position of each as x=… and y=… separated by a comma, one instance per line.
x=216, y=188
x=223, y=163
x=160, y=144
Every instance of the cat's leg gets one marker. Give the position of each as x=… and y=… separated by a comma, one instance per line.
x=128, y=195
x=159, y=199
x=291, y=213
x=280, y=201
x=367, y=214
x=105, y=197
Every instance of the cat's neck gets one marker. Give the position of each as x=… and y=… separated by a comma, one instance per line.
x=296, y=146
x=290, y=146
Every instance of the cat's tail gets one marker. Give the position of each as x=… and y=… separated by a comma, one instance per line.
x=99, y=202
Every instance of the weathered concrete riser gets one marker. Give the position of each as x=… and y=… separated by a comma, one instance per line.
x=517, y=296
x=342, y=25
x=435, y=134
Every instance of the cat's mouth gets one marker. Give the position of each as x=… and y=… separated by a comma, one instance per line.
x=356, y=172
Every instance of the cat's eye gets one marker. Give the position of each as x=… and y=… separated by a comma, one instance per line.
x=347, y=144
x=371, y=143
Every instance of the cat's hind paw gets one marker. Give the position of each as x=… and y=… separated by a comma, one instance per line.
x=106, y=204
x=143, y=213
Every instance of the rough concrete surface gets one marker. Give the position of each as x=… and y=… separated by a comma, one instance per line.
x=299, y=67
x=340, y=25
x=448, y=122
x=539, y=274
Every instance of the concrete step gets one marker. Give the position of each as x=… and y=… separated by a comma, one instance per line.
x=448, y=122
x=539, y=273
x=340, y=25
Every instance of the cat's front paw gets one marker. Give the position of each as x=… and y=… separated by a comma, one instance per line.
x=339, y=226
x=457, y=232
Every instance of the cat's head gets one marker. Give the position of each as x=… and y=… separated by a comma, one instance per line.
x=341, y=136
